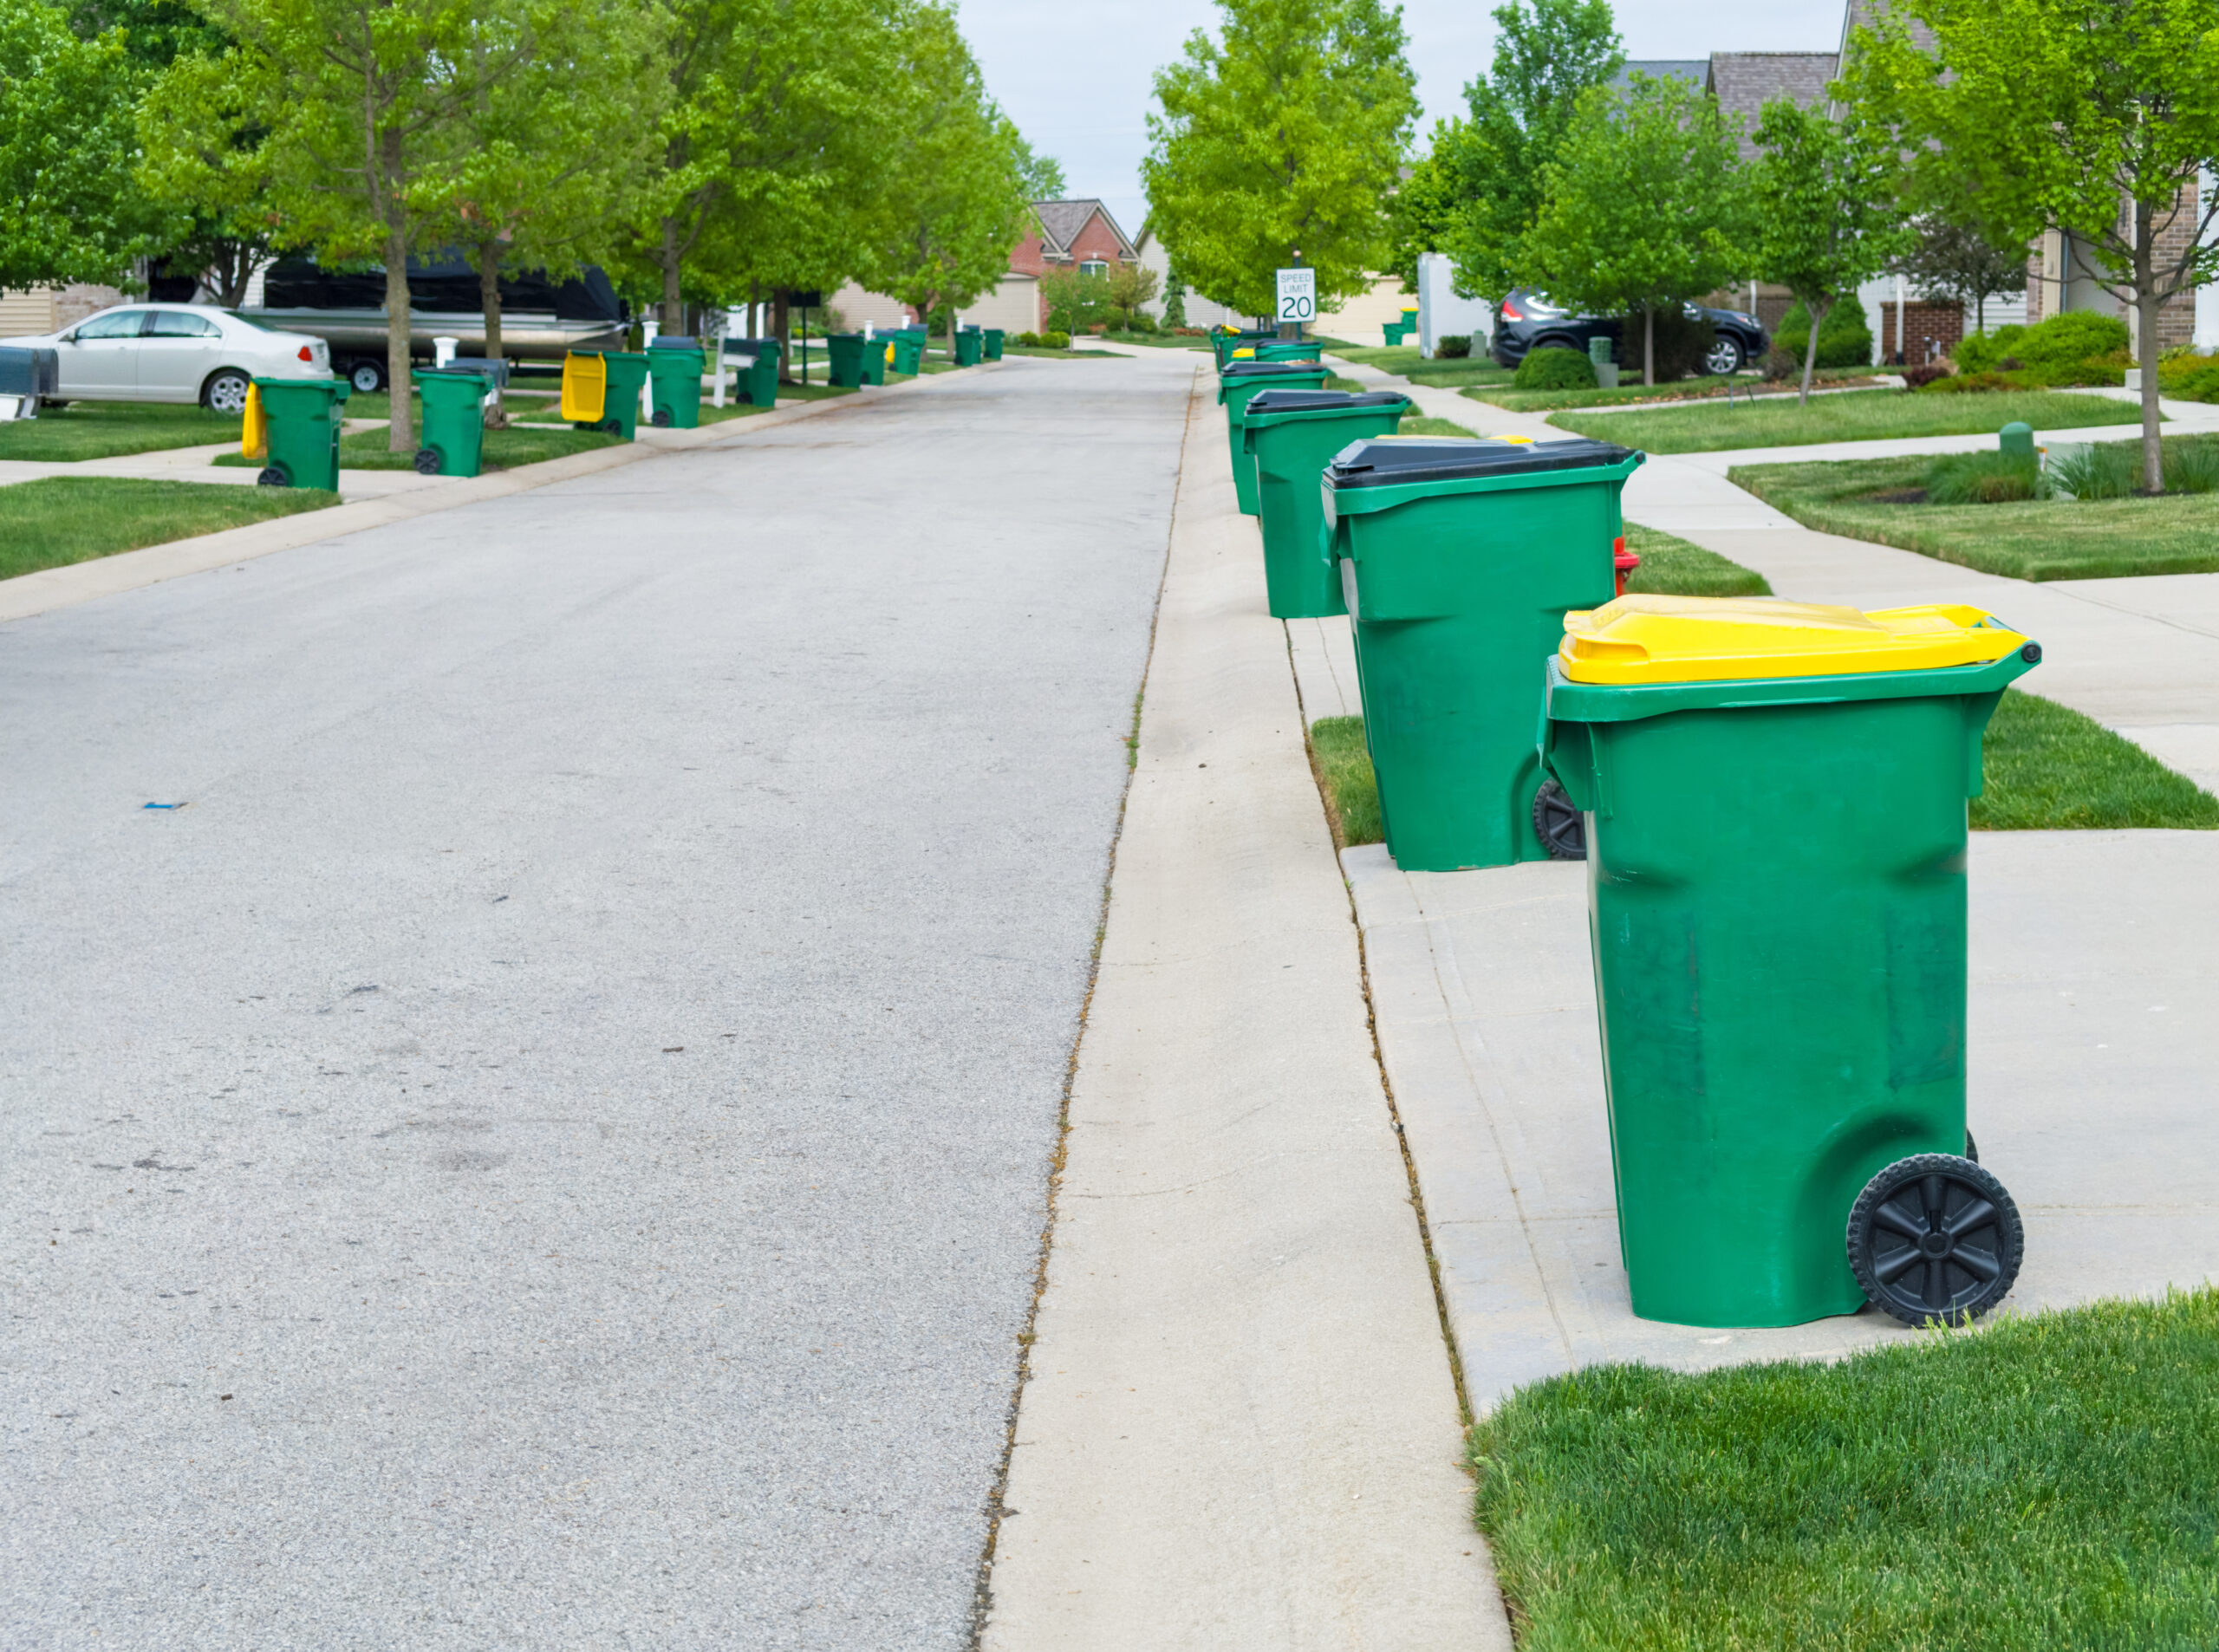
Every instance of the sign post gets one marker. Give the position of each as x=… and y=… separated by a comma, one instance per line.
x=1298, y=297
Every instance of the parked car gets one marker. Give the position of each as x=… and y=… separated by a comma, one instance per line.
x=176, y=353
x=1530, y=322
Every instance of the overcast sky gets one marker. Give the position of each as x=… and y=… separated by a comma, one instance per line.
x=1075, y=77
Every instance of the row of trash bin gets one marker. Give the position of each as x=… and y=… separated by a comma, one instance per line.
x=295, y=424
x=1770, y=796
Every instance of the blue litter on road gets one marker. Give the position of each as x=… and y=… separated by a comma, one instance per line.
x=165, y=805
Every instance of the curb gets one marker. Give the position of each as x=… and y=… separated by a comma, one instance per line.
x=28, y=595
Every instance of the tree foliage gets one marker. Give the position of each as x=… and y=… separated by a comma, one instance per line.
x=1823, y=207
x=1488, y=169
x=68, y=143
x=1643, y=207
x=1959, y=259
x=1281, y=141
x=2094, y=117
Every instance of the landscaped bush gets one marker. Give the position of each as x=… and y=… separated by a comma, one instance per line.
x=1844, y=339
x=2187, y=376
x=1983, y=479
x=1924, y=373
x=2077, y=346
x=2099, y=471
x=2192, y=467
x=1968, y=384
x=1456, y=345
x=1054, y=339
x=1554, y=368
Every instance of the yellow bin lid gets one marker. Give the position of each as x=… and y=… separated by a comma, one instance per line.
x=1639, y=640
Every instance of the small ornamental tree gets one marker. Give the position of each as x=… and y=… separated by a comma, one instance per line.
x=1822, y=202
x=1960, y=259
x=68, y=146
x=1279, y=143
x=2094, y=117
x=1642, y=209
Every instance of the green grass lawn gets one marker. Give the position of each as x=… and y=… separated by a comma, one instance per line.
x=2047, y=767
x=1403, y=360
x=2035, y=539
x=108, y=429
x=1354, y=386
x=366, y=450
x=2043, y=1484
x=1425, y=425
x=1672, y=566
x=1853, y=415
x=63, y=519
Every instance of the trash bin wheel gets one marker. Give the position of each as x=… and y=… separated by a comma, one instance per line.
x=1561, y=830
x=1972, y=1148
x=664, y=419
x=427, y=461
x=273, y=477
x=1934, y=1237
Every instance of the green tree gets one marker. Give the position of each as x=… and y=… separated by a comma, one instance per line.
x=952, y=197
x=1641, y=208
x=204, y=157
x=1042, y=174
x=67, y=145
x=2093, y=117
x=1074, y=299
x=1421, y=213
x=1279, y=143
x=1823, y=206
x=1954, y=255
x=1488, y=167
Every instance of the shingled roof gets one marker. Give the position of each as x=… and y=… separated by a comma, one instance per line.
x=1061, y=222
x=1743, y=82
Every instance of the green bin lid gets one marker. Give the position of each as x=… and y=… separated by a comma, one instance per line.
x=1272, y=402
x=1378, y=462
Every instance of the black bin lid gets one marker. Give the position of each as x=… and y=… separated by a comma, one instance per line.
x=673, y=341
x=1373, y=463
x=1251, y=370
x=1270, y=402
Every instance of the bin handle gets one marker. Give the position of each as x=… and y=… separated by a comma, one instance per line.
x=254, y=429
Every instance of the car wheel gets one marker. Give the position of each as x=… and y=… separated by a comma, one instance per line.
x=1725, y=356
x=225, y=392
x=367, y=377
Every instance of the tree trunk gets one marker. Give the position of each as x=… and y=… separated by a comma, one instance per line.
x=400, y=434
x=781, y=329
x=1819, y=309
x=673, y=307
x=489, y=300
x=1648, y=345
x=2146, y=349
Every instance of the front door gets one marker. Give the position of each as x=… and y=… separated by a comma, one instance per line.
x=100, y=358
x=176, y=354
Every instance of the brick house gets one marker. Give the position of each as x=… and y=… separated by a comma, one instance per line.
x=1067, y=236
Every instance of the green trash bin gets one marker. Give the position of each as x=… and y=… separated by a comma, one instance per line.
x=993, y=336
x=1774, y=797
x=1290, y=436
x=1290, y=350
x=843, y=356
x=1225, y=343
x=909, y=350
x=1242, y=379
x=968, y=344
x=453, y=441
x=620, y=403
x=757, y=384
x=303, y=417
x=674, y=368
x=1457, y=561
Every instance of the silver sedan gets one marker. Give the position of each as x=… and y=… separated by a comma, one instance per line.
x=176, y=353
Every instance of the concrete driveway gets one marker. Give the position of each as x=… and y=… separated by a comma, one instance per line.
x=539, y=1137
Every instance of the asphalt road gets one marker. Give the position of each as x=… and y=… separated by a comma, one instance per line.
x=545, y=1144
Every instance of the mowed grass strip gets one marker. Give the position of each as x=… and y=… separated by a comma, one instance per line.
x=2047, y=767
x=2043, y=1484
x=63, y=519
x=1672, y=566
x=2044, y=768
x=1853, y=415
x=369, y=450
x=110, y=429
x=1425, y=425
x=2036, y=539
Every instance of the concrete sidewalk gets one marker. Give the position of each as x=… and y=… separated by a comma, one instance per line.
x=1239, y=1427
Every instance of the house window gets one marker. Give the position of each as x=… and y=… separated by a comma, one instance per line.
x=1093, y=267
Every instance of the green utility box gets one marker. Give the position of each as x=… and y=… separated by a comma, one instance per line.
x=757, y=360
x=626, y=372
x=843, y=356
x=993, y=336
x=674, y=368
x=302, y=418
x=1224, y=344
x=454, y=421
x=968, y=344
x=1290, y=436
x=1775, y=798
x=1457, y=561
x=1242, y=379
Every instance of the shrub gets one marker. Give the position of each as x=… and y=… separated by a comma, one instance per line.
x=2099, y=471
x=2192, y=467
x=1458, y=345
x=2077, y=346
x=1983, y=479
x=1025, y=341
x=1554, y=368
x=1844, y=339
x=1968, y=384
x=2189, y=377
x=1054, y=339
x=1985, y=352
x=1926, y=372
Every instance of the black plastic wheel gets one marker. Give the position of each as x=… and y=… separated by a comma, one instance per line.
x=427, y=461
x=664, y=418
x=1934, y=1237
x=1561, y=830
x=1972, y=1148
x=273, y=477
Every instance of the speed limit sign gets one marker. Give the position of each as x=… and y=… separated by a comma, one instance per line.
x=1298, y=295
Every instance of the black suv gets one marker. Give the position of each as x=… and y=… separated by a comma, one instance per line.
x=1530, y=322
